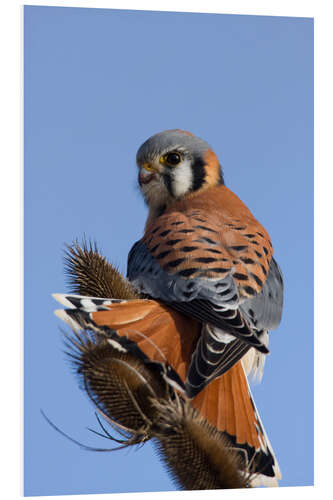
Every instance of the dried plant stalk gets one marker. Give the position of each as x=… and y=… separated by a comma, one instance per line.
x=132, y=395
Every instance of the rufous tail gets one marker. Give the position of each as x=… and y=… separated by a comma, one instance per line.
x=163, y=334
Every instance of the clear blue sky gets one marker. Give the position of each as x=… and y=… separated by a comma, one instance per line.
x=97, y=84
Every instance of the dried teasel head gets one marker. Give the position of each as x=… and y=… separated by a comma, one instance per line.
x=131, y=394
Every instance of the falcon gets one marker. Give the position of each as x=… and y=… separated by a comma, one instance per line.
x=211, y=289
x=205, y=255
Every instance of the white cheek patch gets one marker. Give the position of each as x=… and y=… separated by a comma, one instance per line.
x=182, y=179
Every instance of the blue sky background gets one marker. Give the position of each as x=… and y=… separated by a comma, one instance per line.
x=97, y=84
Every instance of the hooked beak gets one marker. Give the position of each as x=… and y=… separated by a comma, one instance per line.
x=146, y=174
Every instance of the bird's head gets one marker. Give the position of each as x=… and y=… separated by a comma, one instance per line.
x=174, y=163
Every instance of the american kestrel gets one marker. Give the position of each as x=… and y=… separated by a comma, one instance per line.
x=212, y=289
x=205, y=255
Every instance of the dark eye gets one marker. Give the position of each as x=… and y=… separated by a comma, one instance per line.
x=173, y=158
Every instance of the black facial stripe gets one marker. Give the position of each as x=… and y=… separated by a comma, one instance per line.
x=168, y=183
x=198, y=176
x=199, y=173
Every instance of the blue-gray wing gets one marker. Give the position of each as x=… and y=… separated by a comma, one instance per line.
x=235, y=324
x=210, y=301
x=265, y=309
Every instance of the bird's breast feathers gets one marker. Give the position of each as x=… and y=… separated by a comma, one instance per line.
x=211, y=235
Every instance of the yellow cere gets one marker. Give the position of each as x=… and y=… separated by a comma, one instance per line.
x=147, y=166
